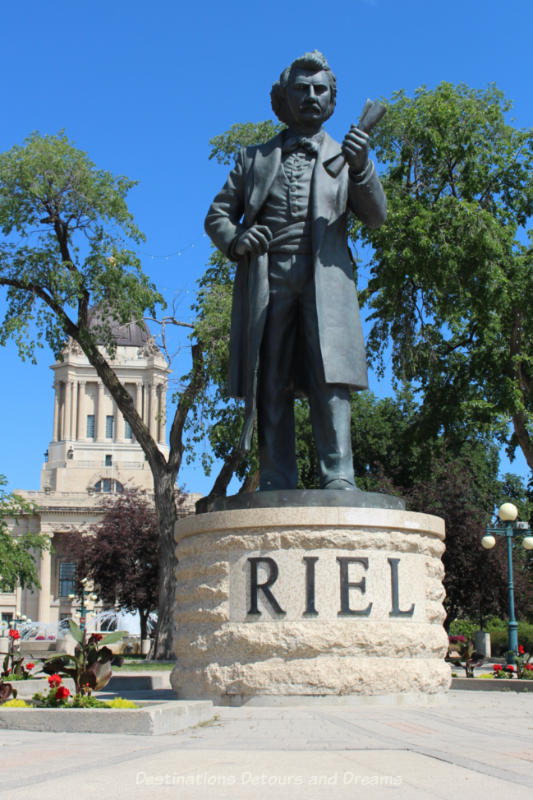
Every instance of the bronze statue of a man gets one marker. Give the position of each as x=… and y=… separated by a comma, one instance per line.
x=295, y=323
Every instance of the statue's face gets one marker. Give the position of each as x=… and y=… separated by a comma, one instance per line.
x=308, y=99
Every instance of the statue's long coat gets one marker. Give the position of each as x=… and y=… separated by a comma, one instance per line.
x=339, y=323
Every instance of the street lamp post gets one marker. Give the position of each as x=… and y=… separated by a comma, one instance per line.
x=508, y=514
x=87, y=600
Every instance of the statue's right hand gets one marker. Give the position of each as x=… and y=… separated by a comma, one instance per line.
x=255, y=241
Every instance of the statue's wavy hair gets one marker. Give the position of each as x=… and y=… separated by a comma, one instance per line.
x=314, y=62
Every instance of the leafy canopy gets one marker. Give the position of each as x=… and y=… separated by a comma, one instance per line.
x=18, y=550
x=68, y=239
x=451, y=271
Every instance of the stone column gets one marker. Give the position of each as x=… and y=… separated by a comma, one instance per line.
x=45, y=577
x=100, y=416
x=55, y=435
x=137, y=399
x=81, y=428
x=146, y=404
x=68, y=410
x=163, y=413
x=61, y=416
x=119, y=424
x=153, y=411
x=18, y=600
x=142, y=393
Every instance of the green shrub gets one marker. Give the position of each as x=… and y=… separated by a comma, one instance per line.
x=498, y=643
x=494, y=624
x=499, y=639
x=87, y=701
x=497, y=628
x=463, y=627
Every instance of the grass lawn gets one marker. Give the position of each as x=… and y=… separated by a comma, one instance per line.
x=142, y=665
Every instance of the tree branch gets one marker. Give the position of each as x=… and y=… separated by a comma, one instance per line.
x=196, y=383
x=518, y=374
x=226, y=473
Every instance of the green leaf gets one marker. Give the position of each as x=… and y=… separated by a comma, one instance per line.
x=76, y=631
x=113, y=637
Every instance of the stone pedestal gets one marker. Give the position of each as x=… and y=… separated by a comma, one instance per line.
x=316, y=602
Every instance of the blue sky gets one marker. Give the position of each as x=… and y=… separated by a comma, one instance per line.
x=142, y=87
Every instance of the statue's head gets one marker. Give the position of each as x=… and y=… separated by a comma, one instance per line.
x=310, y=68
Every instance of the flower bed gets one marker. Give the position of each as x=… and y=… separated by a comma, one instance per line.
x=491, y=685
x=151, y=719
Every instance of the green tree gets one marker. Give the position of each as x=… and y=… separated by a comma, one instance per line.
x=451, y=273
x=68, y=238
x=17, y=550
x=226, y=146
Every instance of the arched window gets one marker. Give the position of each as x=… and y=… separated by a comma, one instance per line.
x=109, y=486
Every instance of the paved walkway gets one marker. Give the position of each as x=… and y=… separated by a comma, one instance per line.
x=474, y=744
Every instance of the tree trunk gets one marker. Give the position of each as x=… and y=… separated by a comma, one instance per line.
x=520, y=426
x=143, y=620
x=520, y=377
x=165, y=503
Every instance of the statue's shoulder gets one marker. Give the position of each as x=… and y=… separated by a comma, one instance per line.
x=330, y=142
x=265, y=148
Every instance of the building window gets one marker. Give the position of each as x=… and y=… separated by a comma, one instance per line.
x=128, y=433
x=109, y=426
x=109, y=461
x=67, y=575
x=90, y=426
x=108, y=486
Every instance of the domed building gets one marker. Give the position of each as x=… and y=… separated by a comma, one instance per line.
x=92, y=452
x=93, y=448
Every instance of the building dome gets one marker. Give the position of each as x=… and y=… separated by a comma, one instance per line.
x=132, y=334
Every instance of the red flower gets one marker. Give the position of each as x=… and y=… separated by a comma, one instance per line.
x=521, y=649
x=62, y=693
x=39, y=638
x=54, y=680
x=509, y=668
x=497, y=667
x=455, y=639
x=96, y=637
x=30, y=665
x=14, y=634
x=528, y=666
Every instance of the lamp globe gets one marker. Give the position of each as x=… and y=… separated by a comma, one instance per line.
x=508, y=512
x=488, y=541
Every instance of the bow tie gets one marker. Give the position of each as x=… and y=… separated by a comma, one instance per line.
x=300, y=143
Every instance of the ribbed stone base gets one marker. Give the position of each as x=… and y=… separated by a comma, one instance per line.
x=309, y=601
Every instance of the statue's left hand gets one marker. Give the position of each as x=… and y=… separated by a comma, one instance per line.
x=355, y=149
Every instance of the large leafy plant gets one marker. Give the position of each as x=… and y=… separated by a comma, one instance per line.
x=90, y=665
